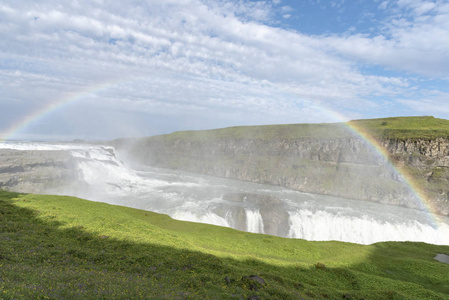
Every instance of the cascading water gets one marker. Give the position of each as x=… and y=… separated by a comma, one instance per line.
x=325, y=226
x=197, y=198
x=254, y=221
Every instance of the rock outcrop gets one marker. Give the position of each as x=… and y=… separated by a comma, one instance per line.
x=32, y=171
x=427, y=161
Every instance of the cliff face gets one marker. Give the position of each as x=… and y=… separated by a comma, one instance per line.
x=36, y=171
x=420, y=152
x=341, y=166
x=427, y=160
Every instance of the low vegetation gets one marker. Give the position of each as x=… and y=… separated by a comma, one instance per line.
x=402, y=128
x=54, y=247
x=391, y=128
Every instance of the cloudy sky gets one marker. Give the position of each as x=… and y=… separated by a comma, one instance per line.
x=105, y=69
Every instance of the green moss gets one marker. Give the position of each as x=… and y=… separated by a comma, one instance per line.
x=440, y=173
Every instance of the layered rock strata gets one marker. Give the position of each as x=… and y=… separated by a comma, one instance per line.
x=343, y=166
x=32, y=171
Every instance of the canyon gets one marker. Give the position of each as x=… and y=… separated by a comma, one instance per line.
x=323, y=159
x=396, y=167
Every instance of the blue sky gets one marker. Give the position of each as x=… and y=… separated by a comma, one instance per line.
x=106, y=69
x=332, y=17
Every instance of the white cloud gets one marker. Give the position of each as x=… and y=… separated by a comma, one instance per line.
x=427, y=106
x=383, y=5
x=192, y=57
x=418, y=43
x=417, y=7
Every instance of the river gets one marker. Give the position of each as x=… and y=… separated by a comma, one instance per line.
x=242, y=205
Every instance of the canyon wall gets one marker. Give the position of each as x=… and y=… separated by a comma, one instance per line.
x=344, y=166
x=33, y=171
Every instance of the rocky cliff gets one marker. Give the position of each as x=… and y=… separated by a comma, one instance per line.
x=427, y=161
x=323, y=159
x=33, y=171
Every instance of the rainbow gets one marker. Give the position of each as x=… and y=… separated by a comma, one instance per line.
x=53, y=106
x=411, y=183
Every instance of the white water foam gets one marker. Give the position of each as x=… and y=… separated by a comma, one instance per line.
x=323, y=226
x=254, y=221
x=191, y=197
x=207, y=217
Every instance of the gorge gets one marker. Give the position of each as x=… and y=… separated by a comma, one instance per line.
x=311, y=181
x=326, y=159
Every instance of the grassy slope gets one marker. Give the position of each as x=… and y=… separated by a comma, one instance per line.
x=395, y=128
x=64, y=247
x=405, y=127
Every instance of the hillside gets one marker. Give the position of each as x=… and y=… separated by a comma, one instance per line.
x=404, y=128
x=326, y=159
x=384, y=128
x=63, y=247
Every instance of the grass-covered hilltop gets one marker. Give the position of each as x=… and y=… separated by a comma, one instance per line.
x=404, y=128
x=390, y=128
x=56, y=247
x=330, y=159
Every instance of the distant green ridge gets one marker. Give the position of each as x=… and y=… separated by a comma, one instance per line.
x=405, y=127
x=389, y=128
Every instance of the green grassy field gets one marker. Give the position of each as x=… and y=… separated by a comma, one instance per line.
x=392, y=128
x=54, y=247
x=402, y=128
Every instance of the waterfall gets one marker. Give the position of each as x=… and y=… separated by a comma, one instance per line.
x=254, y=222
x=198, y=198
x=324, y=226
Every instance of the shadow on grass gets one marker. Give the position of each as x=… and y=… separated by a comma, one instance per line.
x=39, y=259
